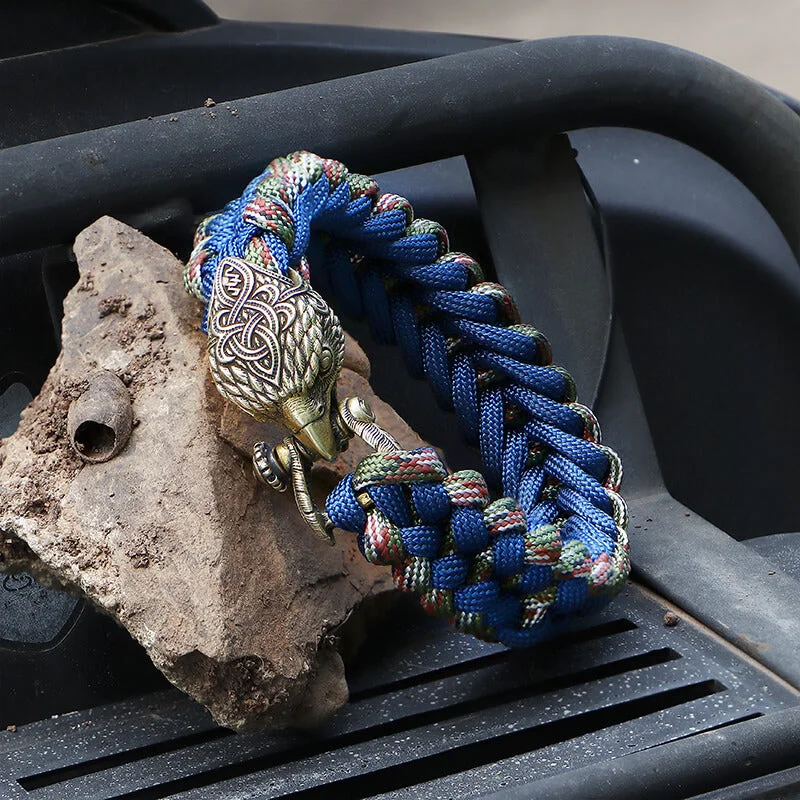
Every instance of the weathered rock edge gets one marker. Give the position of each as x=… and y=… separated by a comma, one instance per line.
x=232, y=597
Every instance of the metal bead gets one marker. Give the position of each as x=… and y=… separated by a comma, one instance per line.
x=268, y=468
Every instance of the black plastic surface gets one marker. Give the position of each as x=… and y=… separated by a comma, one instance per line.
x=782, y=549
x=79, y=22
x=433, y=714
x=707, y=293
x=781, y=785
x=57, y=654
x=493, y=95
x=58, y=92
x=726, y=757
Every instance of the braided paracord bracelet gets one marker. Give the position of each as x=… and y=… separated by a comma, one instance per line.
x=513, y=569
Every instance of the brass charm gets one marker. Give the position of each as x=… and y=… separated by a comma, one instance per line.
x=275, y=349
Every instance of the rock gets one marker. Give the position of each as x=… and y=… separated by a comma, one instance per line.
x=355, y=359
x=234, y=599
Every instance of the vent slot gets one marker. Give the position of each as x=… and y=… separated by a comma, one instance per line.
x=474, y=754
x=363, y=734
x=603, y=631
x=63, y=774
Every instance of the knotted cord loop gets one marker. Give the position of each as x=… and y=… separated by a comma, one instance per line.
x=553, y=543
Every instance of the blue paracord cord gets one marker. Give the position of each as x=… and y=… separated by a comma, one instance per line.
x=554, y=544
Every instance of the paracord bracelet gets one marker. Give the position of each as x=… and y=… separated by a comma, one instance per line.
x=512, y=569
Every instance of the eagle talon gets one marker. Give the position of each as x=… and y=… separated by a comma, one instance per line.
x=269, y=468
x=290, y=463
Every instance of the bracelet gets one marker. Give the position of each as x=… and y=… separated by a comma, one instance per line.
x=510, y=555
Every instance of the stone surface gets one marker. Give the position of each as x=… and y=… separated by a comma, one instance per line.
x=234, y=599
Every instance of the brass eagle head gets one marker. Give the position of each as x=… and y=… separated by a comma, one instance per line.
x=275, y=349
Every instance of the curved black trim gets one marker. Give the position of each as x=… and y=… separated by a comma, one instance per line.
x=175, y=15
x=408, y=114
x=681, y=768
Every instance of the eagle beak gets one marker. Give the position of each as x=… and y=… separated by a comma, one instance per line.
x=312, y=428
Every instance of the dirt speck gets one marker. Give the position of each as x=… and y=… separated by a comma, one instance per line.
x=147, y=312
x=140, y=560
x=209, y=103
x=87, y=283
x=671, y=620
x=115, y=304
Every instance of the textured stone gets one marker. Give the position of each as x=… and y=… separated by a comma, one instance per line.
x=234, y=599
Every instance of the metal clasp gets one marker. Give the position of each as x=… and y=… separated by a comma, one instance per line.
x=289, y=463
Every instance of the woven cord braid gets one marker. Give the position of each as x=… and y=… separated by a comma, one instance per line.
x=554, y=542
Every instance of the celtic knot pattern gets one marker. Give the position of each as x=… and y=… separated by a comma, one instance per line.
x=268, y=333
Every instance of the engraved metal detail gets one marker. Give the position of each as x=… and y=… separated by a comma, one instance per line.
x=268, y=469
x=358, y=419
x=275, y=347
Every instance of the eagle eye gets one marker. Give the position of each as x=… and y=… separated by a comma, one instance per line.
x=325, y=360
